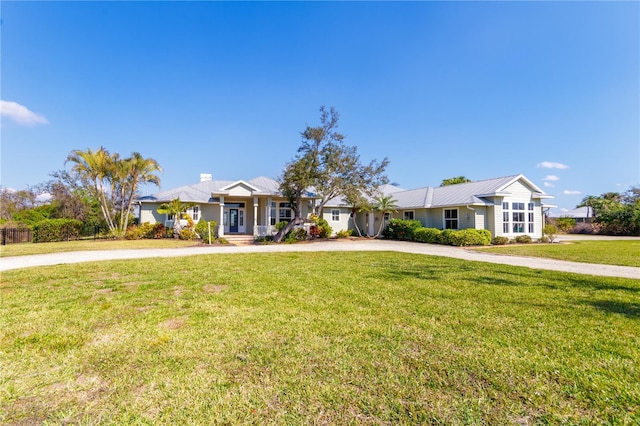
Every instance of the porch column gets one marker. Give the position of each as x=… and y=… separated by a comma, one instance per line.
x=268, y=215
x=255, y=216
x=221, y=225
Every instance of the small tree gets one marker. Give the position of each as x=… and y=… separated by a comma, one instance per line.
x=357, y=204
x=177, y=209
x=384, y=204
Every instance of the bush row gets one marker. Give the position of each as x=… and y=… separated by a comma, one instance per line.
x=48, y=230
x=412, y=230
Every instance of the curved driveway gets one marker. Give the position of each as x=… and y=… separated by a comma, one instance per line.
x=18, y=262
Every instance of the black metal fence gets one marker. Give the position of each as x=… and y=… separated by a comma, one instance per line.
x=15, y=235
x=65, y=233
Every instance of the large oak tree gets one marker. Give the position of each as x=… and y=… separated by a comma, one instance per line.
x=326, y=168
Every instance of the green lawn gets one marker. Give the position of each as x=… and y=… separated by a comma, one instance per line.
x=624, y=253
x=293, y=338
x=83, y=245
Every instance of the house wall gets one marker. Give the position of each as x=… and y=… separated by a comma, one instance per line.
x=149, y=213
x=343, y=219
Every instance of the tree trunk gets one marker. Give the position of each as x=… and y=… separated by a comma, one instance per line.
x=284, y=231
x=177, y=227
x=354, y=217
x=381, y=225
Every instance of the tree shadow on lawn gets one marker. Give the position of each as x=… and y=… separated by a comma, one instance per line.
x=628, y=309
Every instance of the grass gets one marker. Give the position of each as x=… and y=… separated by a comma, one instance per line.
x=83, y=245
x=624, y=253
x=299, y=338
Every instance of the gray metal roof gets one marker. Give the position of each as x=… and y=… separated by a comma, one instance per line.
x=471, y=193
x=202, y=192
x=461, y=194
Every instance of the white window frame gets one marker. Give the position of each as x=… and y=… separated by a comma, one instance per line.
x=335, y=215
x=283, y=208
x=195, y=213
x=273, y=215
x=518, y=218
x=450, y=219
x=406, y=213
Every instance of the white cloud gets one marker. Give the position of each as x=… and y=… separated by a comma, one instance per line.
x=20, y=114
x=44, y=197
x=569, y=192
x=551, y=178
x=563, y=210
x=549, y=185
x=552, y=165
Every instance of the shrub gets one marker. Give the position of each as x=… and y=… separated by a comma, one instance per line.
x=202, y=229
x=323, y=229
x=565, y=223
x=134, y=233
x=345, y=233
x=280, y=225
x=187, y=234
x=549, y=232
x=299, y=234
x=158, y=231
x=500, y=241
x=56, y=230
x=583, y=228
x=523, y=239
x=314, y=231
x=264, y=240
x=427, y=235
x=401, y=229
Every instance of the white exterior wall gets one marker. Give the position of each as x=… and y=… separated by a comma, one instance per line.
x=520, y=193
x=149, y=213
x=340, y=225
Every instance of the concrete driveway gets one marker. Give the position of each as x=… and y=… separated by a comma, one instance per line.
x=17, y=262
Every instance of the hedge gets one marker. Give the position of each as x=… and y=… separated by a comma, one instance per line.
x=399, y=229
x=56, y=230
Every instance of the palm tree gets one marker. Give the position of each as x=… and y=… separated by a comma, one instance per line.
x=96, y=169
x=135, y=171
x=384, y=204
x=357, y=204
x=176, y=208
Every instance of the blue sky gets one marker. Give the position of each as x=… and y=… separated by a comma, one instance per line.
x=481, y=89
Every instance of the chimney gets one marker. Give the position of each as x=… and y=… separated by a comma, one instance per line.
x=205, y=177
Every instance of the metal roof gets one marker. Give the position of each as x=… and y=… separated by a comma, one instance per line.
x=471, y=193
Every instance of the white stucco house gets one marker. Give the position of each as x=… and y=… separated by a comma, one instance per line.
x=506, y=206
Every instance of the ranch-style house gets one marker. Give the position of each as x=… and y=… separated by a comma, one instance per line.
x=506, y=206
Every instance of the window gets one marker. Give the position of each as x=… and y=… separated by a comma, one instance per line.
x=272, y=213
x=408, y=215
x=531, y=218
x=171, y=216
x=335, y=215
x=451, y=219
x=505, y=206
x=518, y=222
x=387, y=216
x=225, y=220
x=195, y=213
x=505, y=221
x=517, y=206
x=285, y=212
x=241, y=218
